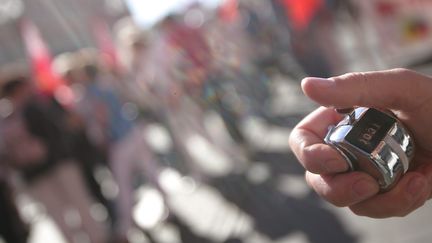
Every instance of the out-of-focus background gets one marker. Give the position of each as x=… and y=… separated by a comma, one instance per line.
x=167, y=121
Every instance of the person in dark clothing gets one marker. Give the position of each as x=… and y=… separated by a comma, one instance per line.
x=12, y=228
x=52, y=173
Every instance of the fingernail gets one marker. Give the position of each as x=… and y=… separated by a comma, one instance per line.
x=320, y=82
x=344, y=111
x=365, y=188
x=415, y=186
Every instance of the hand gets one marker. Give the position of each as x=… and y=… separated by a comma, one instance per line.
x=406, y=93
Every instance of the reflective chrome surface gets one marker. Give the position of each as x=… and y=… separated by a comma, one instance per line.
x=388, y=161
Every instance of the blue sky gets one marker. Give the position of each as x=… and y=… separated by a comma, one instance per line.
x=147, y=12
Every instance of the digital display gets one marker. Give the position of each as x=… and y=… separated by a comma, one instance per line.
x=370, y=129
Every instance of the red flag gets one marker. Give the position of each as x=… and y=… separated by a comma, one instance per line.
x=228, y=11
x=40, y=59
x=301, y=12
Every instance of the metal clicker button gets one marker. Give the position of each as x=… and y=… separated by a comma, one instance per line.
x=375, y=142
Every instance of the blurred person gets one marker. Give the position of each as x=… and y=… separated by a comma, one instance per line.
x=52, y=174
x=191, y=41
x=135, y=46
x=109, y=127
x=174, y=87
x=151, y=71
x=237, y=86
x=404, y=92
x=13, y=229
x=129, y=40
x=90, y=157
x=218, y=83
x=157, y=79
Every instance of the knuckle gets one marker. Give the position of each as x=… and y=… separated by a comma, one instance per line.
x=309, y=162
x=292, y=139
x=310, y=166
x=326, y=190
x=296, y=139
x=331, y=196
x=337, y=203
x=296, y=142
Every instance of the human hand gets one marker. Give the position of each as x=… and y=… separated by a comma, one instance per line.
x=409, y=96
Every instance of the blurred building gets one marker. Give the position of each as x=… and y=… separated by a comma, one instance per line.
x=65, y=25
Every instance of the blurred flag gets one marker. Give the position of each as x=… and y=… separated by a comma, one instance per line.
x=228, y=10
x=47, y=81
x=40, y=59
x=301, y=12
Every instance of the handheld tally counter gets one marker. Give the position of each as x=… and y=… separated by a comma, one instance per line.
x=375, y=142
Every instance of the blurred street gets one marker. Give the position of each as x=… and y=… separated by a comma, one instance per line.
x=168, y=122
x=268, y=203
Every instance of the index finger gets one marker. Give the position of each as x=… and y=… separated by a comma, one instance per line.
x=399, y=89
x=306, y=141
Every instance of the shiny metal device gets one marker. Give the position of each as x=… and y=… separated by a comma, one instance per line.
x=375, y=142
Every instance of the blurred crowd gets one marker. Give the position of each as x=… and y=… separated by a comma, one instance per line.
x=54, y=146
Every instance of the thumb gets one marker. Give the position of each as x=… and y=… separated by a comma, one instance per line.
x=398, y=89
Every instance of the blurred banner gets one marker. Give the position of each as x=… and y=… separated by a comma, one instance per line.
x=400, y=29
